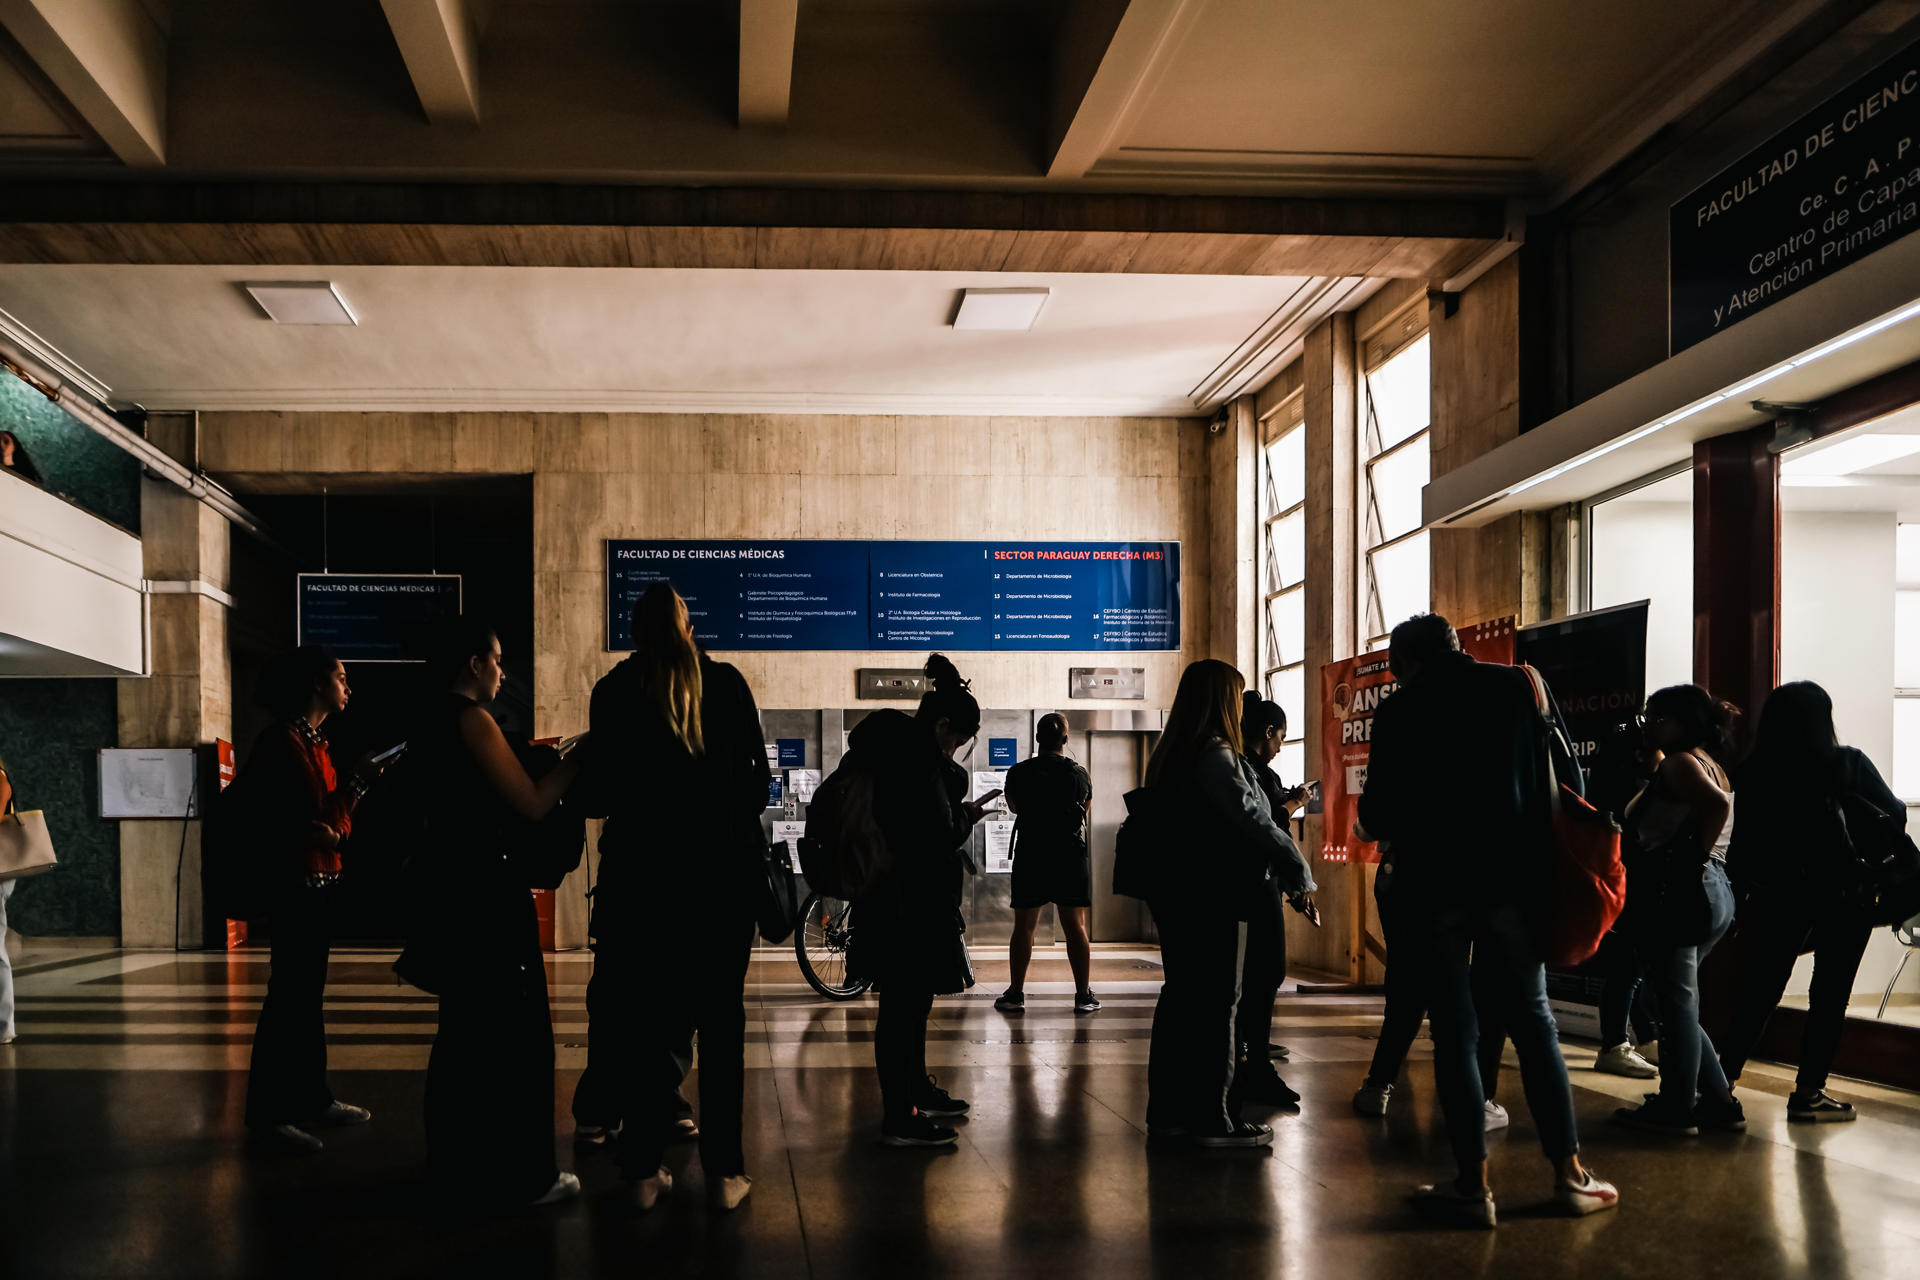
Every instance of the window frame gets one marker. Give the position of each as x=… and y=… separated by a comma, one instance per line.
x=1394, y=336
x=1286, y=418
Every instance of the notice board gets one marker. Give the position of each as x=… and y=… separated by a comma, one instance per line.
x=374, y=617
x=856, y=595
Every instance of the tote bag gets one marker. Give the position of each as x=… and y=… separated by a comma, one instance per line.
x=25, y=847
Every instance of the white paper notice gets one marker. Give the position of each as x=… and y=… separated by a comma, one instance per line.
x=156, y=783
x=985, y=780
x=999, y=847
x=803, y=783
x=789, y=833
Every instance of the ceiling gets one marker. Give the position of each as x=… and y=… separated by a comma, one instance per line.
x=1502, y=97
x=669, y=340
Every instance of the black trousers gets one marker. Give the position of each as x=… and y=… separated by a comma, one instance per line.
x=900, y=1046
x=596, y=1098
x=1190, y=1065
x=1409, y=996
x=1264, y=969
x=651, y=1009
x=489, y=1106
x=1773, y=934
x=287, y=1081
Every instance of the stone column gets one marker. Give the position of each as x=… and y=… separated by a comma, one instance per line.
x=188, y=698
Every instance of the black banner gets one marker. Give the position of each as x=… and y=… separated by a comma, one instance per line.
x=1596, y=666
x=1840, y=182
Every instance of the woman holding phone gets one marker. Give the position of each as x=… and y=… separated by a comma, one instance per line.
x=1263, y=725
x=910, y=939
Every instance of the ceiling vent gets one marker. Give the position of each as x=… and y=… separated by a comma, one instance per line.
x=1005, y=310
x=301, y=302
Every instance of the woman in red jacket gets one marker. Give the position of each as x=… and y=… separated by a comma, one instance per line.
x=307, y=811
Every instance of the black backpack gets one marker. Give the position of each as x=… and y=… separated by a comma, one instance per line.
x=843, y=852
x=236, y=867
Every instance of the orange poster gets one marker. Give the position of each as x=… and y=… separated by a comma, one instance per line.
x=1350, y=690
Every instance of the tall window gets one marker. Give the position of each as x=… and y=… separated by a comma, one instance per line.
x=1393, y=441
x=1283, y=580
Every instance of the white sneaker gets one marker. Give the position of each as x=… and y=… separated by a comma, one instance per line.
x=1621, y=1060
x=1583, y=1198
x=1496, y=1116
x=1469, y=1206
x=1372, y=1098
x=1650, y=1051
x=565, y=1187
x=648, y=1192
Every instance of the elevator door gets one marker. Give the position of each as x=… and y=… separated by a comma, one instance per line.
x=1117, y=762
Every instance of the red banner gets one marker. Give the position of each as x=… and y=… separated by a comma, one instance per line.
x=1350, y=691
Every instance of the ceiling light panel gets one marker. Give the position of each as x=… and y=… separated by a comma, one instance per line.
x=302, y=302
x=1851, y=456
x=1004, y=310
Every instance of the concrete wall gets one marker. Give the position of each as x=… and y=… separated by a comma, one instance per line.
x=600, y=476
x=1644, y=551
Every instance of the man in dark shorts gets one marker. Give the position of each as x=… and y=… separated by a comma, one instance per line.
x=1049, y=795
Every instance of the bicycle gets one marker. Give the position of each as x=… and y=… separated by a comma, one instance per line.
x=820, y=944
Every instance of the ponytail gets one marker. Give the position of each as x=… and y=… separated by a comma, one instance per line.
x=1258, y=717
x=949, y=698
x=670, y=661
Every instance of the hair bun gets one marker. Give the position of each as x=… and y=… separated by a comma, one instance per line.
x=944, y=675
x=1249, y=704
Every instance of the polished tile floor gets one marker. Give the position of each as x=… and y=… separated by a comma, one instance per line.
x=120, y=1117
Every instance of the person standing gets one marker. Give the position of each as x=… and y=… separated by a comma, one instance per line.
x=1263, y=730
x=1790, y=863
x=489, y=1092
x=7, y=1028
x=1686, y=813
x=1456, y=781
x=1200, y=900
x=910, y=936
x=1050, y=794
x=1618, y=772
x=671, y=722
x=303, y=811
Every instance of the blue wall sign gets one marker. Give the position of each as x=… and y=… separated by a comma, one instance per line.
x=1823, y=193
x=792, y=753
x=1002, y=753
x=374, y=617
x=823, y=595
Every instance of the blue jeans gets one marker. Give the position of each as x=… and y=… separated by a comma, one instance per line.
x=1458, y=941
x=1688, y=1063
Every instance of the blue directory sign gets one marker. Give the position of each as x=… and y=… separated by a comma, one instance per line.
x=373, y=617
x=792, y=752
x=747, y=595
x=824, y=595
x=1002, y=753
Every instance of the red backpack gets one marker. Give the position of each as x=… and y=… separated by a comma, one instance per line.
x=1585, y=887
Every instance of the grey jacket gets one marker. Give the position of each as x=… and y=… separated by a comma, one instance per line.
x=1227, y=783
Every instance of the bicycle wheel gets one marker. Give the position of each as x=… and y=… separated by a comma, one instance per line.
x=820, y=944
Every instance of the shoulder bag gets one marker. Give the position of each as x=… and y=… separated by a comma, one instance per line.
x=25, y=847
x=1585, y=887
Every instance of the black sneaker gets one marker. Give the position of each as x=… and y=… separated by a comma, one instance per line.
x=1012, y=1002
x=1655, y=1117
x=916, y=1131
x=937, y=1102
x=1241, y=1135
x=1722, y=1117
x=1261, y=1083
x=1086, y=1002
x=1818, y=1108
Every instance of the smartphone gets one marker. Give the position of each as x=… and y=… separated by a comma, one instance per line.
x=987, y=800
x=390, y=753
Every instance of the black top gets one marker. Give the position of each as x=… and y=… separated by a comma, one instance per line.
x=1788, y=836
x=1050, y=795
x=676, y=822
x=1456, y=780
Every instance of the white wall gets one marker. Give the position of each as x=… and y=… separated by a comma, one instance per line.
x=1644, y=551
x=70, y=598
x=1836, y=629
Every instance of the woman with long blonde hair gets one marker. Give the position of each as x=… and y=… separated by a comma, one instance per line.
x=1228, y=849
x=679, y=756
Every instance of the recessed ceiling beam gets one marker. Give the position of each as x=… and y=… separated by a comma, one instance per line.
x=766, y=61
x=109, y=59
x=1106, y=63
x=440, y=46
